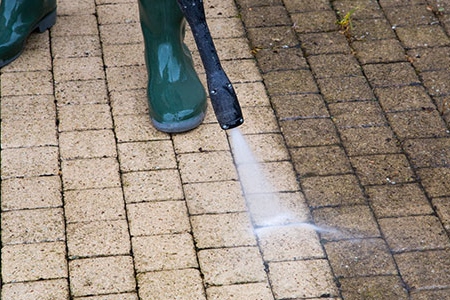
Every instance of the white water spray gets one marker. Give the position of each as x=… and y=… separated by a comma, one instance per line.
x=265, y=204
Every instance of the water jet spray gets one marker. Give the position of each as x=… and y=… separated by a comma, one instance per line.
x=221, y=92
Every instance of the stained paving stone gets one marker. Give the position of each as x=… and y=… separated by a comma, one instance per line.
x=372, y=29
x=297, y=284
x=396, y=74
x=383, y=169
x=288, y=82
x=435, y=181
x=214, y=197
x=382, y=51
x=146, y=156
x=310, y=132
x=308, y=5
x=422, y=36
x=357, y=114
x=32, y=192
x=261, y=120
x=225, y=266
x=274, y=59
x=32, y=107
x=430, y=59
x=340, y=89
x=372, y=140
x=314, y=21
x=93, y=205
x=223, y=230
x=410, y=15
x=363, y=9
x=436, y=82
x=201, y=167
x=398, y=200
x=414, y=233
x=269, y=147
x=299, y=106
x=30, y=83
x=360, y=257
x=152, y=186
x=71, y=92
x=392, y=3
x=324, y=43
x=334, y=65
x=373, y=287
x=335, y=190
x=32, y=226
x=272, y=37
x=266, y=16
x=314, y=161
x=253, y=291
x=58, y=289
x=418, y=124
x=346, y=222
x=31, y=262
x=424, y=269
x=83, y=239
x=171, y=284
x=442, y=207
x=428, y=152
x=93, y=275
x=436, y=294
x=164, y=252
x=395, y=99
x=29, y=162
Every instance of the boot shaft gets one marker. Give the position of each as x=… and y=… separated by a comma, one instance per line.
x=161, y=18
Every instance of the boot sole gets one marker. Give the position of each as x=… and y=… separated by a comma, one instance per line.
x=178, y=127
x=45, y=23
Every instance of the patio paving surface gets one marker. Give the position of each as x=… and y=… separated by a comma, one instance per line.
x=349, y=126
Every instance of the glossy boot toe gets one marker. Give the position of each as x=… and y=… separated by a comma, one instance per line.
x=18, y=19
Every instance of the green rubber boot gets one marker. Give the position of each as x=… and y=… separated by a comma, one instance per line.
x=177, y=99
x=18, y=19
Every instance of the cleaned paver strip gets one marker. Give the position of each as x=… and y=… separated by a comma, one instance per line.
x=352, y=133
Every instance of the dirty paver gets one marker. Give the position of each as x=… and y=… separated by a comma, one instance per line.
x=349, y=129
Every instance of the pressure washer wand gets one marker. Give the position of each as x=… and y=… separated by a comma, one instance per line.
x=223, y=97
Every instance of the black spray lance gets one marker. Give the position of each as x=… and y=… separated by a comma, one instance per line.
x=223, y=97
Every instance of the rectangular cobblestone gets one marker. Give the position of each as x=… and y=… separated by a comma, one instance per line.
x=57, y=289
x=31, y=193
x=32, y=226
x=31, y=262
x=166, y=285
x=164, y=252
x=93, y=205
x=93, y=275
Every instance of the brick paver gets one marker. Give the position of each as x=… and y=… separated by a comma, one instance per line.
x=350, y=131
